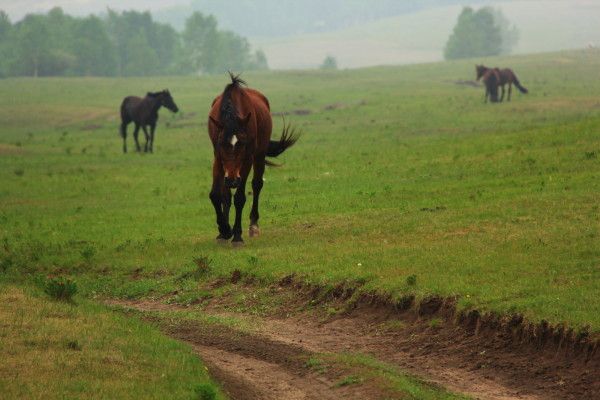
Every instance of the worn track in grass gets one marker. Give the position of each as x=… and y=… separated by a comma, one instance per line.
x=271, y=360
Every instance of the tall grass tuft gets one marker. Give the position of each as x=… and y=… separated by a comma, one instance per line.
x=62, y=289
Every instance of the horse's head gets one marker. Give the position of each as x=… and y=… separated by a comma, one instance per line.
x=480, y=69
x=166, y=100
x=234, y=145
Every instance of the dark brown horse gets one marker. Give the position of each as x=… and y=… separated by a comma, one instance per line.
x=144, y=113
x=502, y=77
x=239, y=126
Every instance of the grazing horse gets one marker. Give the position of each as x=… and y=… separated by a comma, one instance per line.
x=239, y=127
x=504, y=76
x=144, y=113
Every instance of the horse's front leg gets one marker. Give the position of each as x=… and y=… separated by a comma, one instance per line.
x=239, y=200
x=216, y=197
x=257, y=184
x=152, y=129
x=145, y=129
x=509, y=90
x=502, y=96
x=487, y=92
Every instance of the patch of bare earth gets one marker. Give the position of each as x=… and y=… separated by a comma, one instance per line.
x=476, y=360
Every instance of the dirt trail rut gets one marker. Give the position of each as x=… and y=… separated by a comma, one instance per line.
x=270, y=362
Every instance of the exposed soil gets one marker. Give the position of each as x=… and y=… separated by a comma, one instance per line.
x=483, y=363
x=468, y=83
x=300, y=111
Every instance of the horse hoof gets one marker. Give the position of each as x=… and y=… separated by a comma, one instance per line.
x=237, y=243
x=254, y=231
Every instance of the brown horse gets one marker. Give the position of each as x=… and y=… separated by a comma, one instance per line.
x=239, y=126
x=491, y=80
x=502, y=77
x=144, y=113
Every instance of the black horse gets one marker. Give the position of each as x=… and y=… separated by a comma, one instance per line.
x=144, y=113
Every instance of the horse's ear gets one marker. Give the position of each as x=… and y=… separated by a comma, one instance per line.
x=244, y=121
x=218, y=124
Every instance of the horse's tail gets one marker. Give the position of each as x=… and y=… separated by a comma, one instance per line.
x=123, y=126
x=288, y=138
x=521, y=88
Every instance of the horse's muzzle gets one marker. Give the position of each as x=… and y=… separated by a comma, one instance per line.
x=232, y=183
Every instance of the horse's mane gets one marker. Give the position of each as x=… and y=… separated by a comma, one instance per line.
x=228, y=113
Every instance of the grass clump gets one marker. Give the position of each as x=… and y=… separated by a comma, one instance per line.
x=61, y=288
x=316, y=364
x=349, y=380
x=205, y=392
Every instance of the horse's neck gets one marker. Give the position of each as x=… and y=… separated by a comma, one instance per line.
x=156, y=103
x=153, y=104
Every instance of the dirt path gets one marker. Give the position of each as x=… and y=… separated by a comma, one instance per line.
x=270, y=362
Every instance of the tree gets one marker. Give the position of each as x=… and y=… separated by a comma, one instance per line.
x=5, y=33
x=201, y=43
x=476, y=34
x=260, y=62
x=127, y=43
x=33, y=45
x=509, y=33
x=95, y=53
x=329, y=63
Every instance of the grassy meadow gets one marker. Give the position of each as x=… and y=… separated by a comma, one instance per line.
x=404, y=182
x=58, y=350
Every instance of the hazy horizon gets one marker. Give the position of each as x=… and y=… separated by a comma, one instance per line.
x=384, y=33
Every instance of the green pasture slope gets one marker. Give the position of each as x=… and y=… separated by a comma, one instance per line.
x=400, y=172
x=57, y=350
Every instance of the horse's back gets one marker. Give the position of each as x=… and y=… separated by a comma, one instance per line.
x=130, y=102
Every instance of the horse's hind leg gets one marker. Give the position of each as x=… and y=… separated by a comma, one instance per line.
x=502, y=95
x=257, y=184
x=509, y=90
x=124, y=135
x=135, y=137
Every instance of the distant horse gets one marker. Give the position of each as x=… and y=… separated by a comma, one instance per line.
x=239, y=127
x=144, y=113
x=503, y=77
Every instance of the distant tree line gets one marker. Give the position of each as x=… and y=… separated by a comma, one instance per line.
x=119, y=44
x=481, y=33
x=276, y=18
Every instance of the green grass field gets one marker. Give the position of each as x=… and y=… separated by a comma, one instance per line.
x=400, y=172
x=57, y=350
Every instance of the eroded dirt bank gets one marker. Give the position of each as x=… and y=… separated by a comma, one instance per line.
x=269, y=360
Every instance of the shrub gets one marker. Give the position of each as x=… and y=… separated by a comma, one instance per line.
x=88, y=253
x=330, y=63
x=61, y=289
x=205, y=392
x=5, y=263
